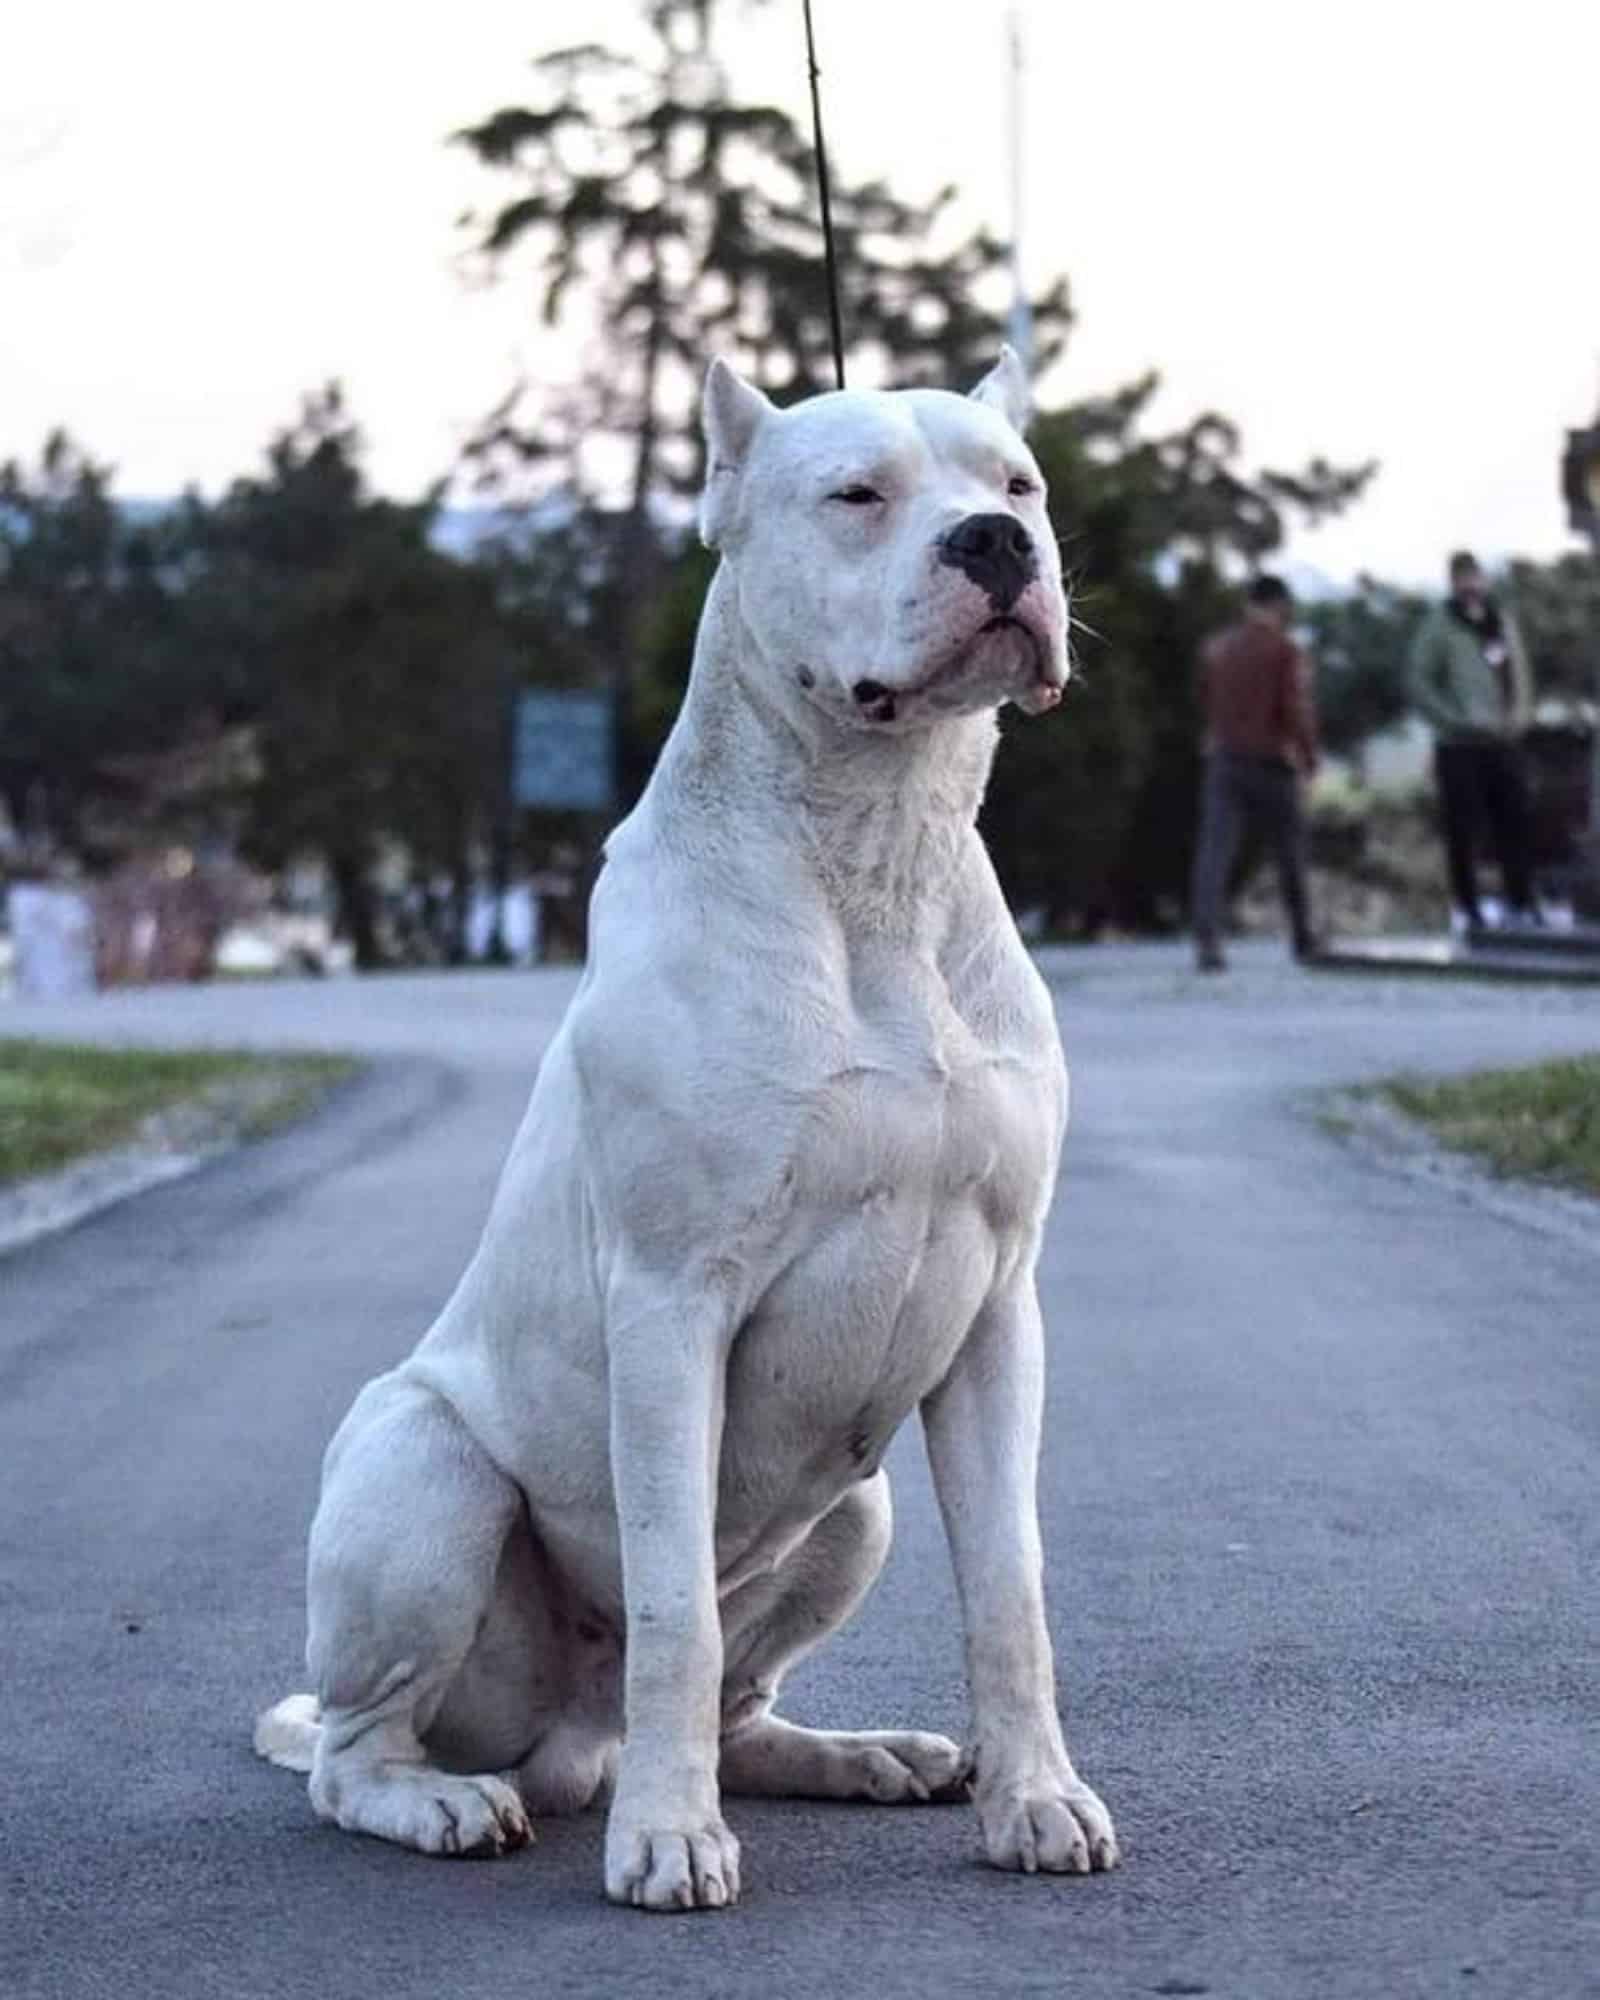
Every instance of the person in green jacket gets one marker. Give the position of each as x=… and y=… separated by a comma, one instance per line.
x=1468, y=678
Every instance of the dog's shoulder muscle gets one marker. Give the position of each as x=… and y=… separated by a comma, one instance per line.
x=699, y=1042
x=993, y=982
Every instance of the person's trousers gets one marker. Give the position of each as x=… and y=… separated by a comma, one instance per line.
x=1254, y=792
x=1482, y=789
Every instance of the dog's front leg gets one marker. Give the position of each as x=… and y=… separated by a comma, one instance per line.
x=666, y=1845
x=982, y=1428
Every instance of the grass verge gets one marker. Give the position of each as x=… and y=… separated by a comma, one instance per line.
x=59, y=1101
x=1542, y=1123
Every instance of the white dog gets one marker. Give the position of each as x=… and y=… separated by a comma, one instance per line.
x=782, y=1181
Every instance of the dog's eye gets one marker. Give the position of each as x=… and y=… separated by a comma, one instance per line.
x=857, y=496
x=1019, y=486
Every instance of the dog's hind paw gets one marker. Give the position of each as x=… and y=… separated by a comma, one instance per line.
x=899, y=1767
x=435, y=1812
x=777, y=1759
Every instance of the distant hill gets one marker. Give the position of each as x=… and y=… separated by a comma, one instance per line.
x=462, y=530
x=458, y=530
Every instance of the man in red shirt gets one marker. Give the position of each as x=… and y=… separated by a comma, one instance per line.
x=1261, y=741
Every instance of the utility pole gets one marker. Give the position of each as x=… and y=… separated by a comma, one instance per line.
x=1019, y=323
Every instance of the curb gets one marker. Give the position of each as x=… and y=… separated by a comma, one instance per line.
x=168, y=1146
x=1388, y=1139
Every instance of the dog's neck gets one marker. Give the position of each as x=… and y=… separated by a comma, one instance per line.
x=877, y=818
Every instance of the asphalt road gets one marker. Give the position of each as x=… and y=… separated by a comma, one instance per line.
x=1319, y=1501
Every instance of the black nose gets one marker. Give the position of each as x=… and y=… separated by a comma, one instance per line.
x=996, y=552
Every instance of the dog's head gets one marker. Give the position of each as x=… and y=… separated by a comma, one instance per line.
x=891, y=551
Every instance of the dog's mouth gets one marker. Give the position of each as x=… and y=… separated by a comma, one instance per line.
x=884, y=704
x=1044, y=689
x=1006, y=623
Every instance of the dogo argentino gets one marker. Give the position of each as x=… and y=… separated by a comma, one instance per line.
x=782, y=1181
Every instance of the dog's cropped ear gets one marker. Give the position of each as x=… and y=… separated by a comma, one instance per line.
x=1006, y=388
x=732, y=412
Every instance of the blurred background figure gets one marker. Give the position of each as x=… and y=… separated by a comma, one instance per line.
x=1470, y=681
x=1261, y=740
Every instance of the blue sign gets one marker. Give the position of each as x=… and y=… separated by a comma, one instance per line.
x=563, y=758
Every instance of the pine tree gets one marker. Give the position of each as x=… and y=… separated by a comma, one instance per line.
x=666, y=222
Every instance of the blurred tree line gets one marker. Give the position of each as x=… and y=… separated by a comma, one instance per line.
x=335, y=677
x=367, y=670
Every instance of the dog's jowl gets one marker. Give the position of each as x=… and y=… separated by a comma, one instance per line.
x=781, y=1183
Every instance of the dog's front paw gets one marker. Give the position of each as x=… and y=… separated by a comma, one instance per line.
x=1050, y=1824
x=654, y=1864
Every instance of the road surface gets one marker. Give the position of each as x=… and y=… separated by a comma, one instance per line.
x=1319, y=1499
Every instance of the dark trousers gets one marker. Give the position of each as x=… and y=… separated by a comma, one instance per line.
x=1482, y=789
x=1256, y=793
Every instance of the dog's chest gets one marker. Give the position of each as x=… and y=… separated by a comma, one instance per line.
x=925, y=1114
x=924, y=1163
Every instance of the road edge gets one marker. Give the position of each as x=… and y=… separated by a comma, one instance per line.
x=172, y=1144
x=1374, y=1129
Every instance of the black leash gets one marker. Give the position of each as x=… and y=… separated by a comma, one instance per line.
x=827, y=210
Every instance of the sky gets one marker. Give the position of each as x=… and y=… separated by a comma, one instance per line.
x=1366, y=230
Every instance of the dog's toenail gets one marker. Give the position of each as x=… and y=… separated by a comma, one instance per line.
x=806, y=678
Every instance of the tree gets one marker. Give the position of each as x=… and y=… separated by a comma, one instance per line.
x=665, y=222
x=93, y=662
x=1360, y=642
x=1090, y=812
x=376, y=667
x=670, y=222
x=1558, y=607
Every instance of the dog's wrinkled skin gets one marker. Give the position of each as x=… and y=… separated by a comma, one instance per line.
x=782, y=1181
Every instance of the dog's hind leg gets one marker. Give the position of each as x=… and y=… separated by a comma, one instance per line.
x=774, y=1621
x=405, y=1552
